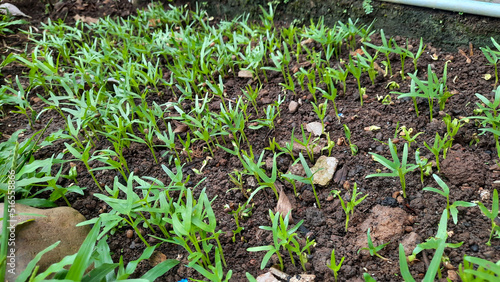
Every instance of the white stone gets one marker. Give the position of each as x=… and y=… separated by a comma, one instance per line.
x=315, y=127
x=325, y=169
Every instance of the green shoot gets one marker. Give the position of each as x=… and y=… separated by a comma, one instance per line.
x=398, y=168
x=492, y=215
x=349, y=206
x=333, y=264
x=372, y=249
x=353, y=147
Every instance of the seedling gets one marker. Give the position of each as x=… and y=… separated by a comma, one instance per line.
x=306, y=180
x=439, y=144
x=331, y=97
x=398, y=168
x=492, y=57
x=406, y=135
x=252, y=95
x=452, y=209
x=321, y=112
x=416, y=56
x=423, y=164
x=490, y=110
x=307, y=143
x=349, y=206
x=372, y=249
x=283, y=237
x=356, y=69
x=492, y=215
x=486, y=270
x=438, y=243
x=333, y=264
x=353, y=147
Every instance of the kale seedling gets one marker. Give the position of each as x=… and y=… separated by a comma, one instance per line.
x=372, y=249
x=492, y=215
x=398, y=168
x=333, y=264
x=452, y=209
x=349, y=206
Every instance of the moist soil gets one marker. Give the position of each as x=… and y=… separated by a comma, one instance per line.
x=469, y=168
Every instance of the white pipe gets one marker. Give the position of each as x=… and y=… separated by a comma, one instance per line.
x=465, y=6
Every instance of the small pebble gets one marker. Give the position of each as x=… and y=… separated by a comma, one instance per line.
x=400, y=199
x=408, y=229
x=292, y=107
x=130, y=233
x=474, y=248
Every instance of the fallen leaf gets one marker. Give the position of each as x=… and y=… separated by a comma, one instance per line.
x=7, y=8
x=181, y=128
x=85, y=19
x=283, y=206
x=372, y=128
x=307, y=41
x=245, y=73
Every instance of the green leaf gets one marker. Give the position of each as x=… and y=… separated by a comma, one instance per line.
x=160, y=269
x=403, y=265
x=81, y=262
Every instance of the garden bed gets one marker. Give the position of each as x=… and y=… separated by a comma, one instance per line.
x=150, y=91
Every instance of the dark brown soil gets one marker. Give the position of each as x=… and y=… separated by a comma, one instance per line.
x=467, y=170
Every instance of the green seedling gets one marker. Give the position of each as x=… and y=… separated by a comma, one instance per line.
x=241, y=212
x=283, y=237
x=492, y=215
x=438, y=243
x=333, y=264
x=85, y=158
x=423, y=164
x=353, y=147
x=492, y=56
x=356, y=69
x=252, y=94
x=406, y=135
x=485, y=271
x=445, y=192
x=307, y=143
x=385, y=49
x=438, y=146
x=398, y=168
x=372, y=249
x=329, y=144
x=491, y=116
x=348, y=207
x=416, y=56
x=321, y=112
x=306, y=180
x=331, y=97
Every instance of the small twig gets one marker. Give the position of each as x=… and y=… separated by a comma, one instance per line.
x=465, y=55
x=426, y=260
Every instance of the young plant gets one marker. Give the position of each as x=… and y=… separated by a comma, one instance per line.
x=438, y=243
x=334, y=266
x=353, y=147
x=306, y=142
x=406, y=135
x=349, y=206
x=252, y=95
x=423, y=164
x=492, y=215
x=306, y=180
x=398, y=168
x=491, y=116
x=439, y=144
x=331, y=97
x=486, y=270
x=445, y=192
x=492, y=57
x=356, y=69
x=321, y=112
x=283, y=237
x=416, y=56
x=372, y=249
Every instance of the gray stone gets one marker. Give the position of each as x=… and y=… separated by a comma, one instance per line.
x=292, y=107
x=325, y=168
x=315, y=127
x=35, y=233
